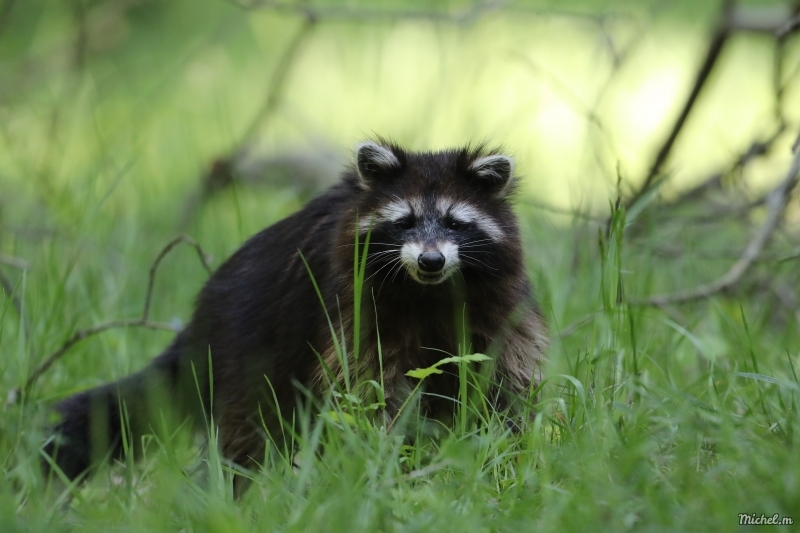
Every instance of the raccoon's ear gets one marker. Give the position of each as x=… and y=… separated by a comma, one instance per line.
x=496, y=170
x=374, y=161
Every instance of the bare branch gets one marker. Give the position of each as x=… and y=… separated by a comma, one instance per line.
x=790, y=26
x=777, y=201
x=204, y=260
x=85, y=333
x=771, y=20
x=278, y=80
x=333, y=12
x=575, y=213
x=141, y=322
x=715, y=47
x=15, y=262
x=787, y=296
x=732, y=19
x=714, y=182
x=224, y=170
x=81, y=35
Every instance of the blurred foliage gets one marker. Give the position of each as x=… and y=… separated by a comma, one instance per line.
x=125, y=122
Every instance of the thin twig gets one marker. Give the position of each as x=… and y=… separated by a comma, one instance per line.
x=5, y=14
x=278, y=80
x=15, y=262
x=777, y=201
x=787, y=296
x=141, y=322
x=88, y=332
x=770, y=20
x=756, y=150
x=224, y=170
x=728, y=211
x=202, y=255
x=466, y=15
x=81, y=35
x=715, y=47
x=790, y=26
x=333, y=12
x=12, y=293
x=733, y=18
x=578, y=324
x=575, y=213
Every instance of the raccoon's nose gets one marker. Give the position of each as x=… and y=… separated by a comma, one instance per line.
x=430, y=261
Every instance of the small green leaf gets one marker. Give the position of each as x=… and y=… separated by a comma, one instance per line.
x=422, y=373
x=378, y=390
x=339, y=417
x=352, y=398
x=474, y=357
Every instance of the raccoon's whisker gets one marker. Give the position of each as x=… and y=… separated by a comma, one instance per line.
x=350, y=245
x=468, y=257
x=377, y=258
x=481, y=245
x=381, y=268
x=398, y=271
x=475, y=260
x=391, y=264
x=399, y=265
x=476, y=242
x=474, y=251
x=383, y=252
x=376, y=264
x=480, y=274
x=380, y=255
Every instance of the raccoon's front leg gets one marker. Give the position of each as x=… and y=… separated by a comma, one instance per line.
x=397, y=392
x=518, y=367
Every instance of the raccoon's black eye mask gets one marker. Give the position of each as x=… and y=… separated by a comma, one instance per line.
x=458, y=225
x=405, y=223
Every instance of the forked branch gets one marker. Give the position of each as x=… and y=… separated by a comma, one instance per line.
x=733, y=19
x=715, y=46
x=776, y=202
x=141, y=322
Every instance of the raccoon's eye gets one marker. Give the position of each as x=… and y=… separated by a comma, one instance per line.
x=404, y=223
x=457, y=225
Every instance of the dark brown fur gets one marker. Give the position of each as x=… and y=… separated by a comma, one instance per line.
x=261, y=321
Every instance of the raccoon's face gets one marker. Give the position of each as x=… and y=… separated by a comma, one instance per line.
x=433, y=215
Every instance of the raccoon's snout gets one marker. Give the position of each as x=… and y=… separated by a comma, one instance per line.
x=431, y=262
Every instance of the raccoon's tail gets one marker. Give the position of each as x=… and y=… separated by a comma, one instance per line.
x=100, y=423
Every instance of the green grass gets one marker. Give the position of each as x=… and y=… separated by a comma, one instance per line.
x=650, y=419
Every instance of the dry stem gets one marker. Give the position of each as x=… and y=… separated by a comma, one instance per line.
x=776, y=203
x=142, y=322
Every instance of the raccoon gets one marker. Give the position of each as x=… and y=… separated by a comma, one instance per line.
x=444, y=274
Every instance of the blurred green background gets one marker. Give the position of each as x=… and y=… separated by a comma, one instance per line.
x=124, y=123
x=147, y=94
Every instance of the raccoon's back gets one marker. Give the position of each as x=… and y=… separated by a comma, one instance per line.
x=260, y=317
